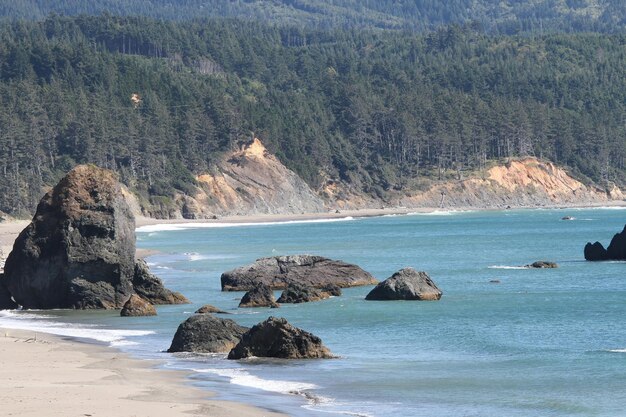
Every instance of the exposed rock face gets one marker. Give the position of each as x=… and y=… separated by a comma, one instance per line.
x=204, y=333
x=308, y=270
x=79, y=249
x=542, y=265
x=209, y=309
x=616, y=250
x=151, y=288
x=137, y=306
x=332, y=290
x=6, y=302
x=296, y=293
x=259, y=296
x=406, y=284
x=275, y=338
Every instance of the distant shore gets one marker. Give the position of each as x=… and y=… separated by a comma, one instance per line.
x=46, y=375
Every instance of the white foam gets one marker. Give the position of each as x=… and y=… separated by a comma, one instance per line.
x=185, y=226
x=243, y=378
x=617, y=350
x=506, y=267
x=40, y=323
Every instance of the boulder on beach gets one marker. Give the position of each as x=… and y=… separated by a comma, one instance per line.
x=137, y=307
x=615, y=252
x=205, y=333
x=79, y=249
x=276, y=338
x=296, y=293
x=150, y=287
x=259, y=296
x=542, y=265
x=6, y=302
x=209, y=309
x=309, y=270
x=406, y=284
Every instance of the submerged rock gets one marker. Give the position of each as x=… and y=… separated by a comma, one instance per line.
x=615, y=252
x=204, y=333
x=79, y=249
x=406, y=284
x=276, y=338
x=209, y=309
x=150, y=287
x=259, y=296
x=136, y=307
x=542, y=265
x=312, y=271
x=296, y=293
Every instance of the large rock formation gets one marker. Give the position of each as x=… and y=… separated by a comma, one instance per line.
x=275, y=338
x=309, y=270
x=296, y=293
x=6, y=302
x=204, y=333
x=406, y=284
x=137, y=306
x=79, y=249
x=259, y=296
x=616, y=250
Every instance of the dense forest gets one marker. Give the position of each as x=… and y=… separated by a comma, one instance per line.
x=496, y=16
x=160, y=101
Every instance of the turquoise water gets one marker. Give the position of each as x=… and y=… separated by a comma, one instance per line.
x=538, y=343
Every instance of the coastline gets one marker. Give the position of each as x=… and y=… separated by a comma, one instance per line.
x=68, y=377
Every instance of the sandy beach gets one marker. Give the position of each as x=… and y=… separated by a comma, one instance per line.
x=46, y=375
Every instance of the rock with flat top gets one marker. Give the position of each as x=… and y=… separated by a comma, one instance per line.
x=276, y=338
x=209, y=309
x=542, y=265
x=259, y=296
x=205, y=333
x=137, y=307
x=406, y=284
x=615, y=252
x=309, y=270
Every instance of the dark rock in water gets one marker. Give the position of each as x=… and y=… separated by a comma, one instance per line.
x=150, y=287
x=296, y=293
x=568, y=218
x=136, y=307
x=406, y=284
x=205, y=333
x=332, y=290
x=79, y=249
x=615, y=252
x=275, y=338
x=209, y=309
x=308, y=270
x=542, y=264
x=6, y=302
x=495, y=281
x=259, y=296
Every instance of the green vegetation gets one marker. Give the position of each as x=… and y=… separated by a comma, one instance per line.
x=377, y=109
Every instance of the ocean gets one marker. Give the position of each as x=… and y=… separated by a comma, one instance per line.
x=545, y=342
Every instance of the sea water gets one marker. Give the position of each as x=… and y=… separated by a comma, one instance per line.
x=503, y=340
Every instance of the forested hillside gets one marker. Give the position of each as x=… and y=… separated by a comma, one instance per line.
x=159, y=102
x=505, y=17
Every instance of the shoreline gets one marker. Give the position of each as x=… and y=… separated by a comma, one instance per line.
x=65, y=376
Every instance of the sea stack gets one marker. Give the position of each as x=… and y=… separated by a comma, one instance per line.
x=79, y=250
x=615, y=252
x=406, y=284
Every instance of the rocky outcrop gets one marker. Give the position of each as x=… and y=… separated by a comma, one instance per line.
x=209, y=309
x=136, y=307
x=259, y=296
x=204, y=333
x=296, y=293
x=616, y=250
x=151, y=288
x=309, y=270
x=79, y=249
x=275, y=338
x=542, y=265
x=6, y=302
x=406, y=284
